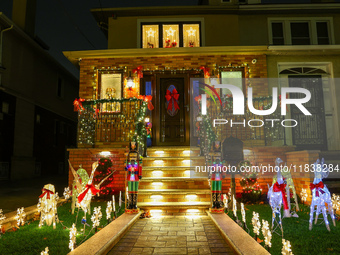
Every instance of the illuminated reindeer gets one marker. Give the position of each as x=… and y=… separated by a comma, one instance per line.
x=320, y=195
x=277, y=195
x=90, y=190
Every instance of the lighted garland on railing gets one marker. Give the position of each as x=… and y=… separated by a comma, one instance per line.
x=206, y=134
x=88, y=112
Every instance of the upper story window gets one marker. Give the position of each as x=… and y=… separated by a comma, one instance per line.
x=300, y=31
x=171, y=34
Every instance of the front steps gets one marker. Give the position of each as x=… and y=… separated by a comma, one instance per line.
x=170, y=186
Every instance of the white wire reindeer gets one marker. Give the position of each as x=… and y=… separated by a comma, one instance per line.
x=47, y=206
x=320, y=196
x=90, y=190
x=275, y=196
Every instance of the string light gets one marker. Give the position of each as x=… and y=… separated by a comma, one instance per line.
x=235, y=207
x=304, y=195
x=266, y=233
x=243, y=212
x=67, y=193
x=108, y=210
x=45, y=252
x=170, y=32
x=191, y=32
x=73, y=233
x=150, y=32
x=20, y=217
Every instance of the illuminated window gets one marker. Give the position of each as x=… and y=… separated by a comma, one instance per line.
x=111, y=88
x=233, y=78
x=171, y=36
x=150, y=36
x=191, y=35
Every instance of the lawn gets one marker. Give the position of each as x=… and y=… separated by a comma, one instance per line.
x=303, y=241
x=29, y=239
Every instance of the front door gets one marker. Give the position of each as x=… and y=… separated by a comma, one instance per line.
x=310, y=133
x=172, y=114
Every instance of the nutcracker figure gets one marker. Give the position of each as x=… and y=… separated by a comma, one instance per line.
x=134, y=174
x=216, y=176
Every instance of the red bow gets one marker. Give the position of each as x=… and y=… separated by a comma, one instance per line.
x=88, y=187
x=46, y=191
x=281, y=188
x=96, y=114
x=78, y=105
x=205, y=71
x=318, y=188
x=138, y=71
x=147, y=99
x=172, y=96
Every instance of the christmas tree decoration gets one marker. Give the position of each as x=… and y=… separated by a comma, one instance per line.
x=96, y=217
x=108, y=210
x=304, y=195
x=321, y=197
x=45, y=252
x=73, y=238
x=267, y=234
x=104, y=169
x=286, y=249
x=67, y=193
x=2, y=219
x=251, y=190
x=20, y=217
x=47, y=206
x=256, y=224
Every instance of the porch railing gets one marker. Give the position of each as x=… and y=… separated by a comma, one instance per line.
x=106, y=121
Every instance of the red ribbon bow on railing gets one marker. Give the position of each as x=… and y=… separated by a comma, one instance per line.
x=46, y=191
x=138, y=71
x=78, y=106
x=172, y=97
x=281, y=188
x=88, y=187
x=318, y=188
x=147, y=99
x=205, y=71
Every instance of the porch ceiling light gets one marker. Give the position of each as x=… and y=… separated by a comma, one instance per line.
x=130, y=81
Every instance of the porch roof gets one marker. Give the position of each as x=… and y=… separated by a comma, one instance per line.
x=76, y=56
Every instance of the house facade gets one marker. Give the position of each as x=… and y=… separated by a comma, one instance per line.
x=160, y=47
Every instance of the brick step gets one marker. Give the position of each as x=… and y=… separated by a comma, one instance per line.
x=174, y=205
x=173, y=151
x=173, y=161
x=167, y=168
x=172, y=173
x=175, y=184
x=174, y=191
x=172, y=197
x=170, y=179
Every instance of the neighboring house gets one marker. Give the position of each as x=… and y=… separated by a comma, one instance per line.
x=37, y=122
x=234, y=39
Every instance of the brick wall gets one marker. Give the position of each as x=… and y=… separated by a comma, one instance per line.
x=86, y=157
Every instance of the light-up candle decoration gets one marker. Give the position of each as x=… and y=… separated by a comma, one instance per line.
x=120, y=200
x=235, y=207
x=20, y=217
x=73, y=233
x=266, y=233
x=225, y=201
x=113, y=203
x=256, y=224
x=243, y=212
x=108, y=210
x=286, y=249
x=96, y=216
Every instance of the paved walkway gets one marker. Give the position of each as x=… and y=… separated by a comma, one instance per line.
x=172, y=235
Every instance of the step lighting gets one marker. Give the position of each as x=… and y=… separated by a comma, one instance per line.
x=159, y=152
x=187, y=173
x=158, y=162
x=186, y=152
x=186, y=161
x=156, y=213
x=191, y=197
x=157, y=183
x=156, y=197
x=193, y=210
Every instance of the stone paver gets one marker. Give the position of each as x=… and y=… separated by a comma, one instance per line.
x=172, y=235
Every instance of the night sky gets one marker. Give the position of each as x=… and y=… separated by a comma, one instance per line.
x=68, y=25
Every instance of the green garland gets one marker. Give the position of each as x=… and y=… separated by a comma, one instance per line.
x=206, y=134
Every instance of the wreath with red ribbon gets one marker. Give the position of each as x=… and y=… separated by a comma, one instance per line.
x=172, y=101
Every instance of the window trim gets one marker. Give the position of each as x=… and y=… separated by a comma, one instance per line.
x=312, y=28
x=179, y=21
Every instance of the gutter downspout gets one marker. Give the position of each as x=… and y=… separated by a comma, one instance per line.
x=1, y=49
